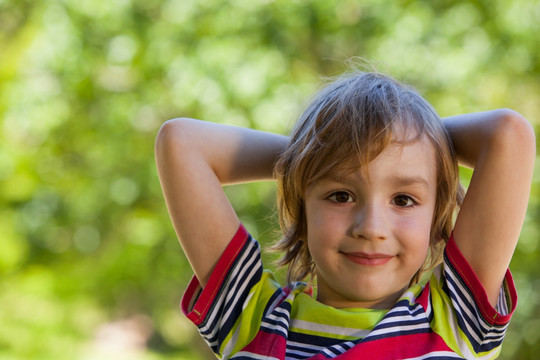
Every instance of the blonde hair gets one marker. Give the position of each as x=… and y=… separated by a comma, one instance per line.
x=350, y=122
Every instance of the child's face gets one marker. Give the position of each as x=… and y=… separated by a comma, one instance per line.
x=369, y=236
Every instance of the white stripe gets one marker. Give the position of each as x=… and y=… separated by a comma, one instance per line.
x=437, y=275
x=278, y=300
x=462, y=343
x=298, y=353
x=502, y=305
x=338, y=348
x=410, y=296
x=389, y=331
x=436, y=354
x=235, y=278
x=390, y=317
x=285, y=319
x=282, y=325
x=229, y=347
x=281, y=310
x=279, y=320
x=313, y=347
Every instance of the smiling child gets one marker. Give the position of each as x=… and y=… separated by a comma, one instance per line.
x=368, y=188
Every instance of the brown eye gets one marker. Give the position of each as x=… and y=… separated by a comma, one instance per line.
x=403, y=201
x=341, y=197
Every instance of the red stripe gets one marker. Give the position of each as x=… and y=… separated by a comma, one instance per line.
x=475, y=286
x=398, y=347
x=392, y=348
x=423, y=298
x=205, y=300
x=267, y=344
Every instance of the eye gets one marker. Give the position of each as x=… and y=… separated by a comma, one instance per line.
x=341, y=197
x=403, y=201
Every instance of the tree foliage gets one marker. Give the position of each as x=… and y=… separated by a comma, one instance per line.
x=89, y=263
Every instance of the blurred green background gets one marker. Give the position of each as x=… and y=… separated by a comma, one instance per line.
x=90, y=267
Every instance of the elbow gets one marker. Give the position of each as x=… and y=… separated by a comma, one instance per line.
x=175, y=142
x=173, y=133
x=513, y=131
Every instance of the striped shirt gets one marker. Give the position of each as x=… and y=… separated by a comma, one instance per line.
x=243, y=313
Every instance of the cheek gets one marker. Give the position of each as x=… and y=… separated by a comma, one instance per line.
x=324, y=231
x=319, y=231
x=321, y=220
x=416, y=230
x=414, y=237
x=416, y=225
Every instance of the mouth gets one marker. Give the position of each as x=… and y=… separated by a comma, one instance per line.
x=372, y=259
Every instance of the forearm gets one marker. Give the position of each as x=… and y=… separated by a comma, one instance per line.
x=233, y=153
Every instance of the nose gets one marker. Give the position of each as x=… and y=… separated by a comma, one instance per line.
x=370, y=222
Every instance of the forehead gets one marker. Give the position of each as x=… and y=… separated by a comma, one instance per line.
x=402, y=162
x=410, y=158
x=353, y=148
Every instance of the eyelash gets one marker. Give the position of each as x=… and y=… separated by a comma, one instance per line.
x=414, y=203
x=333, y=197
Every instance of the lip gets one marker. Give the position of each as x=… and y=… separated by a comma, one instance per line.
x=372, y=259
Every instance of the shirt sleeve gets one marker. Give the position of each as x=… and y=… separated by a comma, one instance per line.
x=228, y=311
x=461, y=312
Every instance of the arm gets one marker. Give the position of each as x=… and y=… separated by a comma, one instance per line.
x=500, y=145
x=194, y=159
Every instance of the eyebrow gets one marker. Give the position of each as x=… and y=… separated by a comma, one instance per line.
x=409, y=181
x=395, y=180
